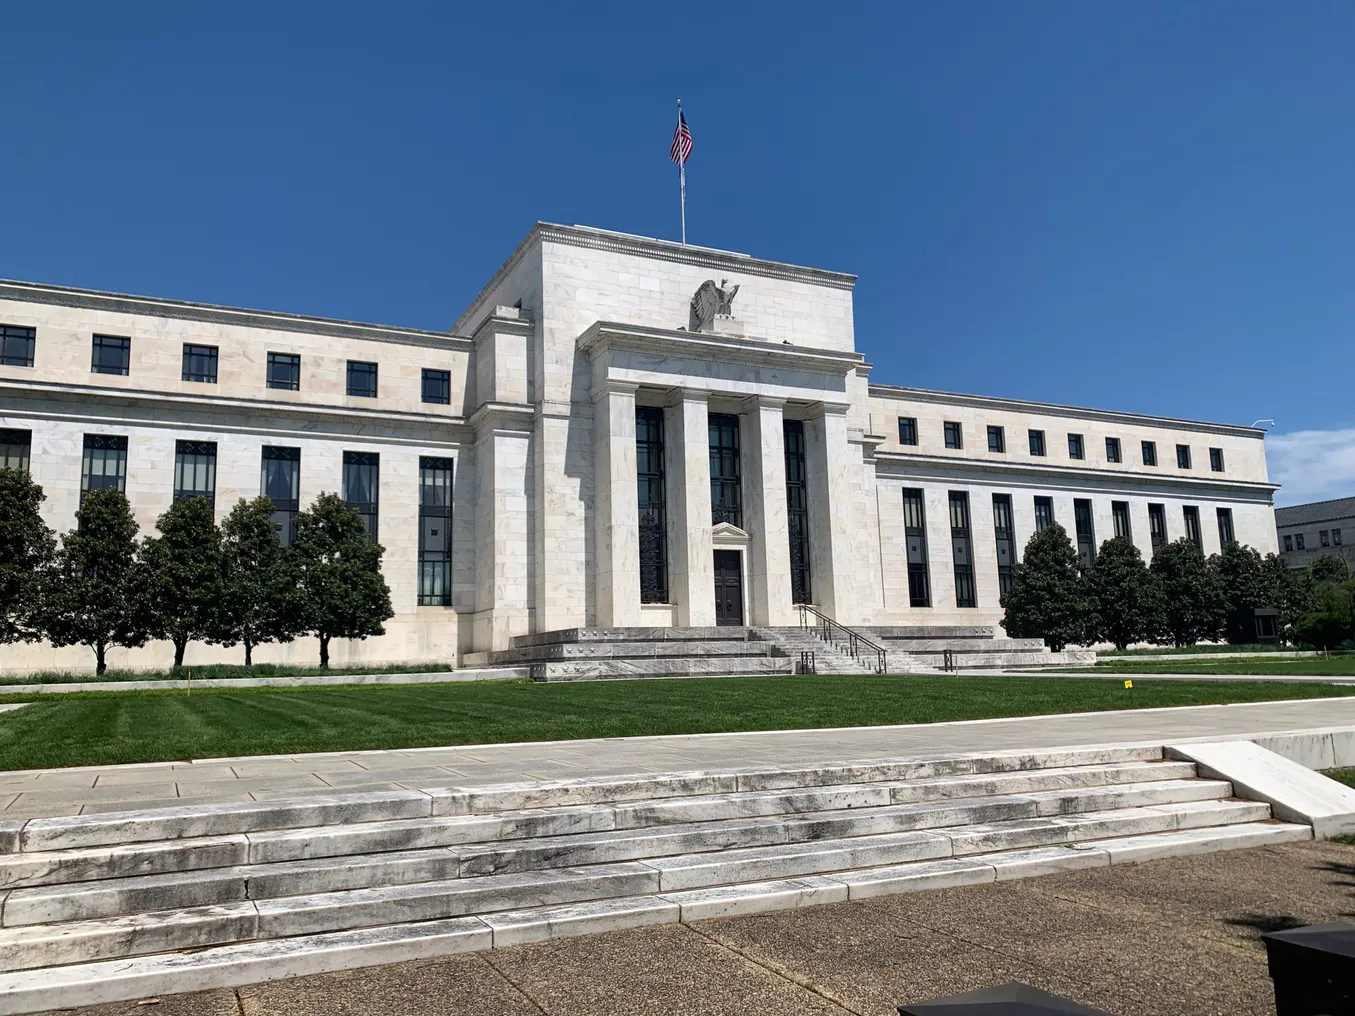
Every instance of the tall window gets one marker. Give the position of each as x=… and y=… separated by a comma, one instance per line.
x=1183, y=456
x=105, y=463
x=1226, y=527
x=1192, y=517
x=280, y=482
x=437, y=387
x=1075, y=449
x=726, y=493
x=1112, y=449
x=435, y=532
x=1298, y=542
x=1157, y=525
x=997, y=440
x=907, y=430
x=1288, y=544
x=284, y=371
x=652, y=501
x=1119, y=514
x=915, y=533
x=1336, y=537
x=195, y=470
x=1044, y=513
x=1216, y=460
x=1006, y=541
x=16, y=448
x=16, y=345
x=1086, y=535
x=1036, y=440
x=1324, y=538
x=112, y=354
x=1149, y=451
x=199, y=363
x=362, y=379
x=361, y=482
x=797, y=511
x=954, y=435
x=962, y=550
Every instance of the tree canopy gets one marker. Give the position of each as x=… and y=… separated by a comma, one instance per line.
x=260, y=602
x=1048, y=597
x=26, y=548
x=1194, y=604
x=184, y=575
x=1126, y=598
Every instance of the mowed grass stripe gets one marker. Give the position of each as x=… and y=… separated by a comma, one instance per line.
x=1306, y=666
x=97, y=728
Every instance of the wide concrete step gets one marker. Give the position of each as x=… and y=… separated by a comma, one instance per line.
x=704, y=634
x=629, y=669
x=609, y=651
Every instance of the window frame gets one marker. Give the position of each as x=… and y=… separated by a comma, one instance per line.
x=1183, y=456
x=10, y=438
x=196, y=355
x=1113, y=452
x=1324, y=538
x=1227, y=534
x=916, y=557
x=1085, y=536
x=1119, y=510
x=121, y=344
x=285, y=509
x=1299, y=542
x=370, y=510
x=908, y=431
x=726, y=468
x=1148, y=453
x=1035, y=438
x=1216, y=460
x=1043, y=519
x=953, y=430
x=1190, y=513
x=116, y=443
x=440, y=377
x=1077, y=448
x=1001, y=440
x=184, y=451
x=18, y=345
x=359, y=369
x=435, y=566
x=292, y=363
x=1157, y=527
x=1289, y=543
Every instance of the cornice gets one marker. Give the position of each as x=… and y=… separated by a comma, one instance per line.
x=894, y=464
x=502, y=416
x=123, y=303
x=1052, y=409
x=605, y=336
x=521, y=325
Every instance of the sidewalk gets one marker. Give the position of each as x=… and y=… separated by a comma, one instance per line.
x=33, y=793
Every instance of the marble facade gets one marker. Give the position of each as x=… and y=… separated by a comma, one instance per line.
x=547, y=367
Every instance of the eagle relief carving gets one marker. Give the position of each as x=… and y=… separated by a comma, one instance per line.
x=711, y=302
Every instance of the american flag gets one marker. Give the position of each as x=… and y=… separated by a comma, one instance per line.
x=682, y=141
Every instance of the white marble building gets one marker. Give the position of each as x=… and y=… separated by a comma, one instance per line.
x=586, y=371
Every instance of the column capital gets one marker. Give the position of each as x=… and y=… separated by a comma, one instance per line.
x=677, y=396
x=755, y=402
x=609, y=387
x=820, y=409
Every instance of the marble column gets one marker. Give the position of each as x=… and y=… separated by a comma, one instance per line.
x=827, y=468
x=764, y=512
x=615, y=508
x=691, y=569
x=502, y=469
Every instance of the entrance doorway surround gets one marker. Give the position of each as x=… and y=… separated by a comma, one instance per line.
x=728, y=587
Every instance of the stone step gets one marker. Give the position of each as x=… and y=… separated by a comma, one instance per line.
x=731, y=649
x=706, y=634
x=759, y=665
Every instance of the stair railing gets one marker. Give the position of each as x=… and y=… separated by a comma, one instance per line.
x=835, y=633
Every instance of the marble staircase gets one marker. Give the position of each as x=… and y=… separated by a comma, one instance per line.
x=123, y=905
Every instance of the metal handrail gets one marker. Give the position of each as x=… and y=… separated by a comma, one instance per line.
x=835, y=633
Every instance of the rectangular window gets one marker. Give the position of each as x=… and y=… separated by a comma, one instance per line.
x=199, y=363
x=16, y=345
x=962, y=550
x=437, y=387
x=1006, y=541
x=112, y=354
x=195, y=470
x=1288, y=544
x=1192, y=517
x=1216, y=460
x=954, y=435
x=915, y=533
x=1298, y=542
x=435, y=532
x=726, y=489
x=16, y=449
x=1119, y=513
x=1225, y=526
x=1149, y=450
x=1075, y=450
x=649, y=473
x=1112, y=449
x=1044, y=513
x=280, y=482
x=907, y=430
x=997, y=440
x=284, y=371
x=362, y=379
x=797, y=511
x=1157, y=525
x=1036, y=441
x=361, y=485
x=1183, y=456
x=1086, y=535
x=1323, y=538
x=1336, y=537
x=105, y=463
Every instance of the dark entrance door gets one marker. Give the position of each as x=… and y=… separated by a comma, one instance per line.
x=728, y=588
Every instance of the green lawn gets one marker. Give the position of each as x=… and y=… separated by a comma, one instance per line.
x=90, y=728
x=216, y=670
x=1305, y=666
x=1202, y=649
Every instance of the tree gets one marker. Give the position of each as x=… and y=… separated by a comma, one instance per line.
x=1048, y=598
x=93, y=596
x=26, y=549
x=338, y=567
x=1239, y=570
x=183, y=575
x=260, y=602
x=1193, y=602
x=1328, y=568
x=1126, y=598
x=1288, y=591
x=1333, y=623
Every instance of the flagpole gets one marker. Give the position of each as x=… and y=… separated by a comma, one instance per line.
x=682, y=181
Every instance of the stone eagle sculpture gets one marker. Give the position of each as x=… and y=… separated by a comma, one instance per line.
x=711, y=301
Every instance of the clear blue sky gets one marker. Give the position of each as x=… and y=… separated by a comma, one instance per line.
x=1142, y=206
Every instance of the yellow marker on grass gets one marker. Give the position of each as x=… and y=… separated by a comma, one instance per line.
x=1129, y=684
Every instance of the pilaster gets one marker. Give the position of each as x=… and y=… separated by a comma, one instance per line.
x=502, y=548
x=616, y=513
x=691, y=573
x=828, y=476
x=764, y=512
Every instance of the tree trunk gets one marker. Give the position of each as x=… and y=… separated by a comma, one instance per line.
x=324, y=652
x=249, y=653
x=179, y=646
x=100, y=652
